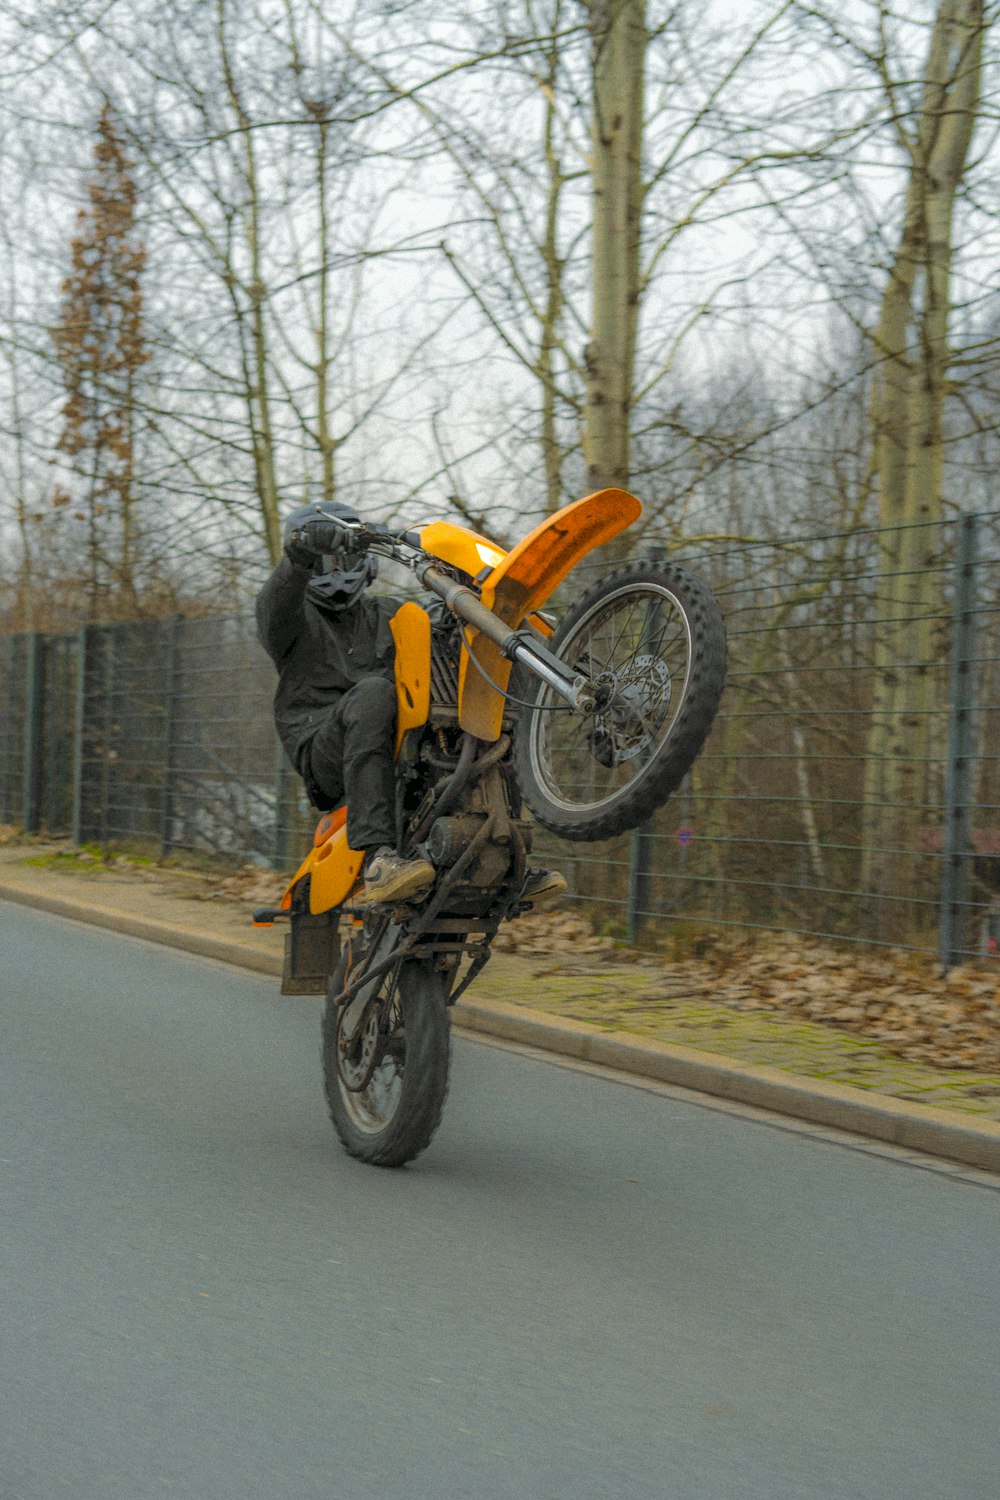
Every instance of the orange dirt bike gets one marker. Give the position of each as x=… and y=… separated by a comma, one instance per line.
x=587, y=728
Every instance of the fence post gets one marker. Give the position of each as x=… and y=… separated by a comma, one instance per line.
x=170, y=738
x=7, y=791
x=51, y=718
x=34, y=704
x=284, y=793
x=107, y=729
x=640, y=865
x=79, y=731
x=958, y=773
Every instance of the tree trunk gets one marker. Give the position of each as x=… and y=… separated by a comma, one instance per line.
x=909, y=388
x=325, y=439
x=258, y=393
x=552, y=450
x=619, y=35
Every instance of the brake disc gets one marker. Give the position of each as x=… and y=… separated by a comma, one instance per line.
x=359, y=1055
x=634, y=710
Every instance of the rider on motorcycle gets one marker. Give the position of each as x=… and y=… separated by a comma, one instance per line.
x=335, y=704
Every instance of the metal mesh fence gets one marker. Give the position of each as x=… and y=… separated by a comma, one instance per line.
x=177, y=746
x=13, y=688
x=55, y=749
x=850, y=788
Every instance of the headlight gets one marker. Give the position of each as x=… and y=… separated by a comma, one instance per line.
x=490, y=555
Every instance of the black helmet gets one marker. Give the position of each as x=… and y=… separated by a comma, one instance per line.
x=339, y=577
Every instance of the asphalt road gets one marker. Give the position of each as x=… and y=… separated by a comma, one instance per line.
x=583, y=1289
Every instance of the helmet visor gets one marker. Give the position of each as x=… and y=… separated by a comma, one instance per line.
x=339, y=579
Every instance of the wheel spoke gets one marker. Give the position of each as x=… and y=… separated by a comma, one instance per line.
x=372, y=1103
x=637, y=648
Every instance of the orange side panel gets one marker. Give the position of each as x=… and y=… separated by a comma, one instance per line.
x=411, y=631
x=335, y=871
x=522, y=582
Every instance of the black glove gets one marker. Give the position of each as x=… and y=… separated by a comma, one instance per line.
x=317, y=537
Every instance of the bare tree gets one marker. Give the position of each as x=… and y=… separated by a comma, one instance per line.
x=101, y=348
x=910, y=386
x=620, y=41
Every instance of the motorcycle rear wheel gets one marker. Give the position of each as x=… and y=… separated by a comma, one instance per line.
x=387, y=1114
x=652, y=637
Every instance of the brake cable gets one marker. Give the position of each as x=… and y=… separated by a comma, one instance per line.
x=537, y=708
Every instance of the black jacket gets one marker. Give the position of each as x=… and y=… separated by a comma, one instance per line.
x=318, y=656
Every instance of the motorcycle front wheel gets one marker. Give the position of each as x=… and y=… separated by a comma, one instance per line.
x=386, y=1086
x=651, y=638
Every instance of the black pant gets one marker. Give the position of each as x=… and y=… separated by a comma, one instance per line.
x=350, y=759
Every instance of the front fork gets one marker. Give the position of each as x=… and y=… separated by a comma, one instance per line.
x=517, y=645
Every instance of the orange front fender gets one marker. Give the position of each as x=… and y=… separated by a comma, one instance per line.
x=521, y=583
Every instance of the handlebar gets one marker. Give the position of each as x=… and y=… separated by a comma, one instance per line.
x=370, y=534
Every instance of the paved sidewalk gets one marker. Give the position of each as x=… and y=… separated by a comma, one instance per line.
x=627, y=1015
x=626, y=997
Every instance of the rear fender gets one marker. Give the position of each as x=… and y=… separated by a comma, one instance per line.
x=333, y=867
x=520, y=584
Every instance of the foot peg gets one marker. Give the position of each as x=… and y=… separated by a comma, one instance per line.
x=266, y=916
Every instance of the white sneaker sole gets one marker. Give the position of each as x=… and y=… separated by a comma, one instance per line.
x=549, y=894
x=398, y=888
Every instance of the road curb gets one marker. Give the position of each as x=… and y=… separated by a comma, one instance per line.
x=937, y=1132
x=916, y=1127
x=152, y=929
